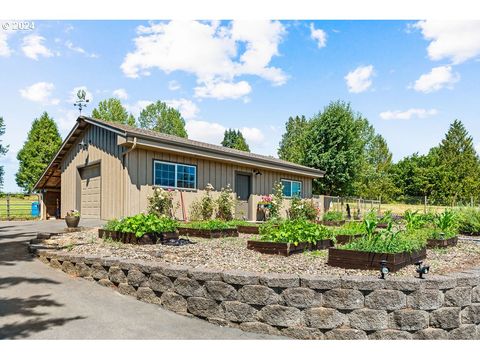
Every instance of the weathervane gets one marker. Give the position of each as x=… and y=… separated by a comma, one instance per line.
x=81, y=101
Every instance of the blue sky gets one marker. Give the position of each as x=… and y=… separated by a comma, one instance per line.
x=410, y=79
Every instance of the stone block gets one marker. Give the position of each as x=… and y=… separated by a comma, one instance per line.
x=404, y=284
x=368, y=319
x=205, y=274
x=320, y=282
x=175, y=271
x=390, y=335
x=344, y=299
x=207, y=308
x=107, y=283
x=237, y=277
x=279, y=315
x=471, y=314
x=147, y=295
x=260, y=328
x=160, y=283
x=425, y=299
x=137, y=278
x=83, y=270
x=219, y=290
x=303, y=333
x=325, y=318
x=69, y=268
x=280, y=280
x=188, y=287
x=116, y=275
x=470, y=280
x=445, y=318
x=44, y=259
x=126, y=289
x=431, y=334
x=386, y=300
x=54, y=263
x=99, y=272
x=438, y=282
x=410, y=320
x=476, y=294
x=173, y=302
x=464, y=332
x=346, y=334
x=459, y=296
x=237, y=311
x=301, y=297
x=367, y=283
x=258, y=295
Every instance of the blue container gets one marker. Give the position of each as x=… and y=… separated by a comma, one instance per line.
x=35, y=208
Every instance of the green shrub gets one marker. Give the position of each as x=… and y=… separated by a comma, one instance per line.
x=302, y=209
x=142, y=224
x=294, y=231
x=469, y=221
x=350, y=228
x=277, y=200
x=203, y=208
x=237, y=222
x=161, y=202
x=225, y=204
x=446, y=222
x=213, y=224
x=332, y=216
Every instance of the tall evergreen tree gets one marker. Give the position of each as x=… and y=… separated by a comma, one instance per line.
x=42, y=143
x=112, y=110
x=3, y=150
x=234, y=139
x=292, y=145
x=164, y=119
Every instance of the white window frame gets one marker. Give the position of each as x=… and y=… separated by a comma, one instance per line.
x=176, y=175
x=291, y=182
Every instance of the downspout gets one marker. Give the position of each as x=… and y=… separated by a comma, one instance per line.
x=125, y=169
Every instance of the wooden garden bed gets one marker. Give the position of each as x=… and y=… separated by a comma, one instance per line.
x=130, y=238
x=352, y=259
x=343, y=239
x=287, y=249
x=248, y=229
x=209, y=234
x=332, y=223
x=433, y=243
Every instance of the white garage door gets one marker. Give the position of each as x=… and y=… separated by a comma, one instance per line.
x=91, y=186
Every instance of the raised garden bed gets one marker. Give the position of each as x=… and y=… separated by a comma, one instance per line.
x=382, y=225
x=332, y=222
x=352, y=259
x=287, y=249
x=209, y=234
x=131, y=238
x=343, y=239
x=434, y=243
x=248, y=229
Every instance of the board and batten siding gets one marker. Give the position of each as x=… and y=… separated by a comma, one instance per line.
x=139, y=179
x=102, y=148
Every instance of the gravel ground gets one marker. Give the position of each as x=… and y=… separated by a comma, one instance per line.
x=232, y=253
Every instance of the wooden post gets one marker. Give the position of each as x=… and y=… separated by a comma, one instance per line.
x=425, y=205
x=8, y=207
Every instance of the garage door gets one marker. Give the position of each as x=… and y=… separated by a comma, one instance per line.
x=90, y=197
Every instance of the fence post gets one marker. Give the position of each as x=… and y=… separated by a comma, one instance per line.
x=8, y=207
x=471, y=200
x=425, y=205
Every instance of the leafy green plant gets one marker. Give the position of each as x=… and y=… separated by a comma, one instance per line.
x=142, y=224
x=332, y=216
x=294, y=231
x=469, y=221
x=302, y=209
x=276, y=200
x=213, y=224
x=350, y=228
x=111, y=225
x=225, y=204
x=204, y=208
x=446, y=221
x=414, y=220
x=161, y=202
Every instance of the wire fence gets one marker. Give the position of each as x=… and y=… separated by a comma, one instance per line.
x=19, y=207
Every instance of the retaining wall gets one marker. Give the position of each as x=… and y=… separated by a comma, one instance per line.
x=305, y=307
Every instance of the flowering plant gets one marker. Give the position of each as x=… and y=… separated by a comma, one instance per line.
x=225, y=204
x=204, y=208
x=277, y=200
x=266, y=200
x=75, y=213
x=161, y=202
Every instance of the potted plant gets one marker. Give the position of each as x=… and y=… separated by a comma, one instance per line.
x=73, y=218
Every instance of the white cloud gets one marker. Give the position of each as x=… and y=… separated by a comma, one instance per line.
x=40, y=92
x=174, y=85
x=32, y=47
x=253, y=135
x=212, y=132
x=319, y=36
x=223, y=90
x=477, y=148
x=208, y=50
x=120, y=93
x=187, y=108
x=438, y=78
x=137, y=107
x=407, y=114
x=66, y=120
x=4, y=48
x=457, y=41
x=79, y=50
x=73, y=94
x=360, y=79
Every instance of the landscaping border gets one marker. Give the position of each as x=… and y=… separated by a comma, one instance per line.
x=304, y=307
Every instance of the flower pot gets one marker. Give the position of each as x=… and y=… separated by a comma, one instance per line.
x=72, y=221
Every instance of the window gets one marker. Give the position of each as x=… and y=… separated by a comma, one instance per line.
x=174, y=175
x=292, y=188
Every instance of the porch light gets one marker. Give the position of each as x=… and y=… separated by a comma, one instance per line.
x=257, y=172
x=82, y=145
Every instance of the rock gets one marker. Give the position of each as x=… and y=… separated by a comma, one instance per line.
x=237, y=277
x=126, y=289
x=408, y=319
x=464, y=332
x=258, y=295
x=279, y=315
x=203, y=307
x=260, y=328
x=471, y=314
x=107, y=283
x=44, y=259
x=476, y=294
x=237, y=311
x=460, y=296
x=386, y=300
x=440, y=282
x=160, y=283
x=54, y=263
x=116, y=275
x=320, y=282
x=431, y=334
x=219, y=290
x=303, y=333
x=188, y=287
x=343, y=299
x=368, y=319
x=175, y=271
x=205, y=274
x=83, y=270
x=367, y=283
x=404, y=284
x=325, y=318
x=280, y=280
x=147, y=295
x=301, y=298
x=390, y=335
x=445, y=318
x=173, y=302
x=220, y=322
x=99, y=272
x=137, y=278
x=69, y=268
x=346, y=334
x=425, y=299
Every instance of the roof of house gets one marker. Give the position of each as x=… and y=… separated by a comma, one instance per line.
x=130, y=131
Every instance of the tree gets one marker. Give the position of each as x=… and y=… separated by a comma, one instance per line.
x=42, y=143
x=292, y=145
x=3, y=149
x=334, y=144
x=234, y=139
x=162, y=118
x=112, y=110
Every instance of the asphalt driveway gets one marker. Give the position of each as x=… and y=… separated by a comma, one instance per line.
x=38, y=302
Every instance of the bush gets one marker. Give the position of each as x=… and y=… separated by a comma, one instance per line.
x=161, y=202
x=225, y=204
x=142, y=224
x=294, y=231
x=350, y=228
x=332, y=216
x=302, y=209
x=277, y=200
x=209, y=225
x=204, y=208
x=469, y=221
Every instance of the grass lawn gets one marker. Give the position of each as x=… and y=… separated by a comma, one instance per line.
x=20, y=207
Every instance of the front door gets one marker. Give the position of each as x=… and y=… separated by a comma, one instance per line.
x=243, y=186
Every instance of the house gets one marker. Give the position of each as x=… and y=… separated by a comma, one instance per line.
x=107, y=170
